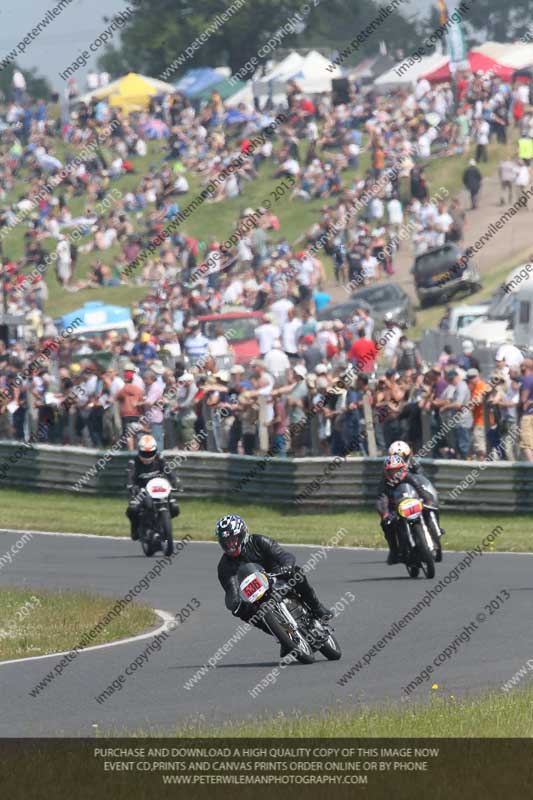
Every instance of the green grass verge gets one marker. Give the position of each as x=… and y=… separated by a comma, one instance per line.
x=56, y=511
x=34, y=622
x=494, y=714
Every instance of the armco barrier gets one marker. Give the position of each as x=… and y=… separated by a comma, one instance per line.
x=500, y=487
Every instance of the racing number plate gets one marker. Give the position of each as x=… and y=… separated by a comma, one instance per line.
x=252, y=587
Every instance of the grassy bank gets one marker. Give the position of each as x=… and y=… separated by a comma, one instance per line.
x=55, y=511
x=33, y=622
x=495, y=714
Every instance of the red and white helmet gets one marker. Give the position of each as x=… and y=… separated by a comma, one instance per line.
x=401, y=449
x=147, y=449
x=395, y=469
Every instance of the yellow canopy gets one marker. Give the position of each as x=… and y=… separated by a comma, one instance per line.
x=132, y=92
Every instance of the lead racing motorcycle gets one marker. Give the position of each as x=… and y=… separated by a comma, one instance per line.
x=285, y=614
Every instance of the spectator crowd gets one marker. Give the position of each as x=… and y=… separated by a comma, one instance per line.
x=314, y=386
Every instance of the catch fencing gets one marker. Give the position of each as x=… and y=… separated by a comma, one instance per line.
x=502, y=487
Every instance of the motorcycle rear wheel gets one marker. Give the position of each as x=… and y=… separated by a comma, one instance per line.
x=287, y=642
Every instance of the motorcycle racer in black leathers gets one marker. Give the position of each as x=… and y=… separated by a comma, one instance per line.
x=241, y=547
x=146, y=465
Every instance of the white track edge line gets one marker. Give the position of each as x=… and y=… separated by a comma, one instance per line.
x=165, y=616
x=285, y=544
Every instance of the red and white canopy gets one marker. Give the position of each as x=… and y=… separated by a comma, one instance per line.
x=479, y=62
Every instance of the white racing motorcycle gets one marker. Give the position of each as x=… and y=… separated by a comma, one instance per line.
x=155, y=527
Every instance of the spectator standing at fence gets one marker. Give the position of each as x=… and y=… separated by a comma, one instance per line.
x=467, y=360
x=458, y=405
x=277, y=362
x=129, y=398
x=472, y=180
x=248, y=414
x=509, y=404
x=296, y=404
x=478, y=389
x=508, y=357
x=526, y=400
x=185, y=409
x=279, y=427
x=152, y=407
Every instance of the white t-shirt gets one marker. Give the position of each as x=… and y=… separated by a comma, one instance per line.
x=266, y=334
x=444, y=221
x=305, y=272
x=281, y=309
x=395, y=211
x=276, y=362
x=289, y=335
x=233, y=293
x=218, y=346
x=291, y=166
x=482, y=135
x=369, y=266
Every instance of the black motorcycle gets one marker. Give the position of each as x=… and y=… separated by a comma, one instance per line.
x=415, y=544
x=155, y=525
x=285, y=614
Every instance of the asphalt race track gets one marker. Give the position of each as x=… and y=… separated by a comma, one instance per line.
x=154, y=698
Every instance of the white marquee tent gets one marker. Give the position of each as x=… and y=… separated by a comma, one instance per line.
x=413, y=73
x=517, y=55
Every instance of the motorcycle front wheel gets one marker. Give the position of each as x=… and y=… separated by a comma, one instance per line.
x=331, y=648
x=434, y=530
x=424, y=554
x=298, y=645
x=166, y=533
x=148, y=547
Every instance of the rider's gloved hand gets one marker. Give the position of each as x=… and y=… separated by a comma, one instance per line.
x=288, y=571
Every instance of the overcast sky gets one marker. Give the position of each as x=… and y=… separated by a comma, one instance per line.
x=69, y=34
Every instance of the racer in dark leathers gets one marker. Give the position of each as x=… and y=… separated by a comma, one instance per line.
x=395, y=471
x=241, y=547
x=146, y=465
